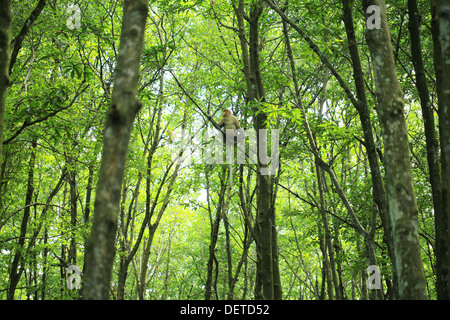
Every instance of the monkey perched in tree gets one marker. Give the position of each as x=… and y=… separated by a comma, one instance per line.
x=232, y=126
x=170, y=136
x=229, y=122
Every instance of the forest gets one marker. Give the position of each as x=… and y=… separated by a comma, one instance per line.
x=119, y=180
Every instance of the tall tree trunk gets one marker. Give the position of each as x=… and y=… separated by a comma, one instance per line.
x=339, y=258
x=318, y=159
x=379, y=194
x=248, y=240
x=268, y=284
x=44, y=266
x=18, y=40
x=73, y=209
x=154, y=226
x=441, y=41
x=214, y=233
x=16, y=269
x=321, y=185
x=442, y=244
x=228, y=249
x=151, y=209
x=38, y=228
x=277, y=289
x=167, y=270
x=5, y=35
x=100, y=251
x=87, y=206
x=245, y=198
x=402, y=201
x=125, y=241
x=327, y=235
x=376, y=178
x=327, y=283
x=7, y=61
x=362, y=273
x=127, y=255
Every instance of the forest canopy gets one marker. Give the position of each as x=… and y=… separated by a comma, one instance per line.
x=117, y=179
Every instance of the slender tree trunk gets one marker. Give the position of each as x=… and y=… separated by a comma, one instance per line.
x=7, y=59
x=5, y=35
x=277, y=289
x=38, y=228
x=318, y=160
x=152, y=229
x=167, y=270
x=16, y=269
x=125, y=241
x=442, y=280
x=402, y=201
x=127, y=255
x=18, y=40
x=148, y=203
x=228, y=250
x=73, y=210
x=321, y=185
x=124, y=107
x=87, y=206
x=268, y=284
x=362, y=273
x=214, y=234
x=243, y=261
x=379, y=194
x=245, y=198
x=338, y=258
x=44, y=266
x=149, y=214
x=327, y=236
x=327, y=283
x=441, y=41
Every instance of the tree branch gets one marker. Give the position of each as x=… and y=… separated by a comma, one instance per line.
x=18, y=41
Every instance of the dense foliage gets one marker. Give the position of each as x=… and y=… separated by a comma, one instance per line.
x=172, y=214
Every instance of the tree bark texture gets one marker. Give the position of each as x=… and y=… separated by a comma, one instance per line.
x=401, y=198
x=379, y=193
x=268, y=285
x=101, y=249
x=441, y=40
x=214, y=235
x=17, y=270
x=5, y=35
x=442, y=281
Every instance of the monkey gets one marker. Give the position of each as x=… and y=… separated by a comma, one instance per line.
x=261, y=46
x=262, y=43
x=170, y=136
x=228, y=121
x=232, y=127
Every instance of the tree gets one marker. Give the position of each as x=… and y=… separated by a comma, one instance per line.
x=16, y=268
x=441, y=40
x=268, y=284
x=442, y=280
x=124, y=107
x=399, y=184
x=303, y=67
x=5, y=34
